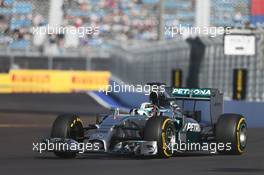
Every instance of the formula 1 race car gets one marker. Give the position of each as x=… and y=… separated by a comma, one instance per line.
x=172, y=121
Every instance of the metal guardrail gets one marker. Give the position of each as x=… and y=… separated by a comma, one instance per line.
x=147, y=62
x=32, y=58
x=142, y=63
x=217, y=68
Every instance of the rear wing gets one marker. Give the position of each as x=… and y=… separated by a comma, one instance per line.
x=192, y=93
x=214, y=97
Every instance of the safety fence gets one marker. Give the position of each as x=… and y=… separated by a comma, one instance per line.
x=36, y=60
x=218, y=70
x=150, y=62
x=201, y=61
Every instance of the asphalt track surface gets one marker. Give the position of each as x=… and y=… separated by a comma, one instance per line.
x=79, y=103
x=19, y=129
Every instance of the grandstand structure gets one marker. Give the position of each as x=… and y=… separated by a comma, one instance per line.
x=117, y=20
x=230, y=12
x=17, y=19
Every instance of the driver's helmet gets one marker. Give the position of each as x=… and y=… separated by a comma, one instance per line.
x=148, y=109
x=175, y=107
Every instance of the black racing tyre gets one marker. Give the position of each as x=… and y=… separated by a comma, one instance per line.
x=162, y=130
x=232, y=129
x=67, y=126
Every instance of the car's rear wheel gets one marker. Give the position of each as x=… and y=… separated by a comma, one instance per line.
x=67, y=126
x=232, y=129
x=161, y=130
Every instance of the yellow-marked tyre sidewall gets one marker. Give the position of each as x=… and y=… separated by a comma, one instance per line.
x=228, y=131
x=155, y=131
x=63, y=127
x=165, y=150
x=239, y=147
x=76, y=122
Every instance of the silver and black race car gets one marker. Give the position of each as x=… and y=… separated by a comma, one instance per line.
x=173, y=121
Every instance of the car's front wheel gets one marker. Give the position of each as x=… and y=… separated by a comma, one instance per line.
x=67, y=126
x=161, y=130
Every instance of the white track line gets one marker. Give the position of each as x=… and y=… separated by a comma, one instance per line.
x=23, y=126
